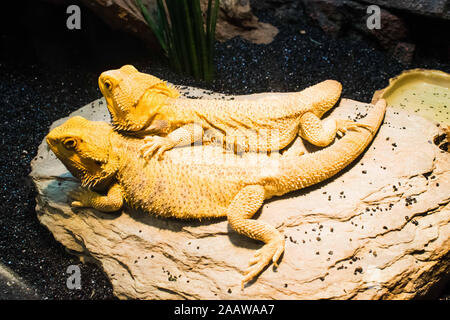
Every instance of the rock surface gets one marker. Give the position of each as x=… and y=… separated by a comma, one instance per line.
x=400, y=21
x=235, y=18
x=13, y=287
x=123, y=15
x=435, y=8
x=378, y=230
x=338, y=16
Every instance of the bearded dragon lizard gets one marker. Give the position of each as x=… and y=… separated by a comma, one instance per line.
x=140, y=102
x=181, y=186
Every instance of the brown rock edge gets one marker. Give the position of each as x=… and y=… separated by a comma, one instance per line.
x=378, y=230
x=235, y=18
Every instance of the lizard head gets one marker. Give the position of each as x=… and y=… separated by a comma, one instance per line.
x=123, y=89
x=84, y=147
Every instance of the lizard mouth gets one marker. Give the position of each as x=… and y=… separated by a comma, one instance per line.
x=88, y=179
x=79, y=169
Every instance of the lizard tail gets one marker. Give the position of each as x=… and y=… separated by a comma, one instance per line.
x=309, y=169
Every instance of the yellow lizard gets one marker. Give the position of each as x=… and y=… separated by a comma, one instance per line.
x=196, y=182
x=142, y=103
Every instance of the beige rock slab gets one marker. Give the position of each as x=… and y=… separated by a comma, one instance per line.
x=380, y=229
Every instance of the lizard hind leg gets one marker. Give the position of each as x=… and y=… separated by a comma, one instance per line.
x=316, y=131
x=244, y=205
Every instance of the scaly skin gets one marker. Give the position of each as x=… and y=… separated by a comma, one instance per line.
x=139, y=102
x=198, y=182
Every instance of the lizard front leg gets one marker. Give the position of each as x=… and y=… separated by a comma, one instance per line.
x=185, y=135
x=322, y=132
x=110, y=202
x=244, y=205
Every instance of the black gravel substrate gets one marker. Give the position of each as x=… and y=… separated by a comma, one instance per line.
x=32, y=96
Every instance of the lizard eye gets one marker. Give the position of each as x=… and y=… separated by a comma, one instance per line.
x=108, y=84
x=70, y=144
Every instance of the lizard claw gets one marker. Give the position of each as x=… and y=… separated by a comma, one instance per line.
x=156, y=146
x=344, y=125
x=270, y=252
x=76, y=204
x=80, y=197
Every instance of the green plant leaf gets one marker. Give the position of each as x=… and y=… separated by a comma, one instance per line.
x=186, y=39
x=155, y=26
